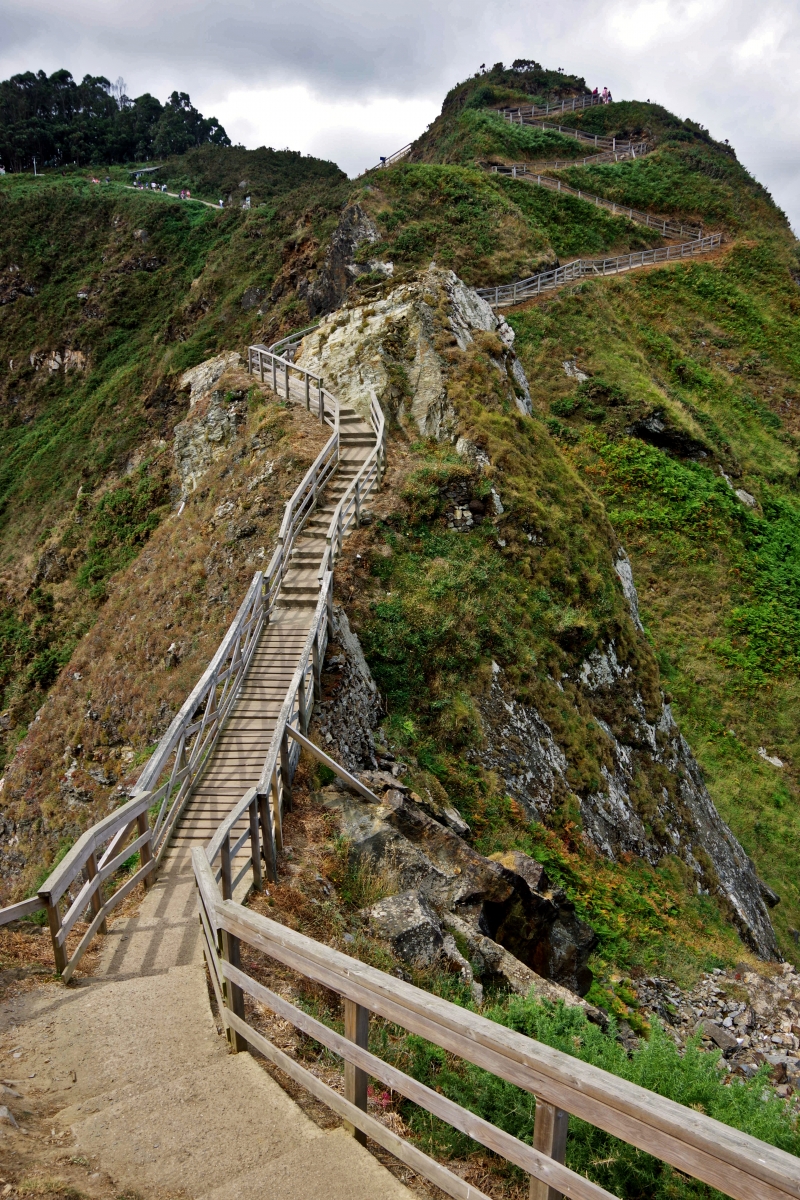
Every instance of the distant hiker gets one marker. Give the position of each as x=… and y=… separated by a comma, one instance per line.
x=163, y=187
x=220, y=203
x=595, y=94
x=610, y=99
x=605, y=95
x=383, y=160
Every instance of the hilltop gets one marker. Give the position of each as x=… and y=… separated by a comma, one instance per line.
x=655, y=402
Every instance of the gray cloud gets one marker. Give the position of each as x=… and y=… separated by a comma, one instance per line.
x=727, y=63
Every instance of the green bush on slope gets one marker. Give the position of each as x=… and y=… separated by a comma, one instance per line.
x=693, y=1079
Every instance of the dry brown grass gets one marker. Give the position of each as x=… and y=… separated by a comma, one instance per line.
x=118, y=693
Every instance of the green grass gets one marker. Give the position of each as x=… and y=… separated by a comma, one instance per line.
x=693, y=1079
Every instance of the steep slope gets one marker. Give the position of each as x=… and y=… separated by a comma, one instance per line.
x=522, y=511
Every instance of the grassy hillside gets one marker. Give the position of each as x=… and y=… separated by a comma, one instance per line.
x=693, y=376
x=110, y=295
x=692, y=371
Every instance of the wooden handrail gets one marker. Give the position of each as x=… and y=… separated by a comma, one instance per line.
x=524, y=289
x=733, y=1162
x=663, y=224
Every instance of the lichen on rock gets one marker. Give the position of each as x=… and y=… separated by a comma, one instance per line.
x=400, y=347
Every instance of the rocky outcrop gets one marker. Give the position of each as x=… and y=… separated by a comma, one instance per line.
x=392, y=346
x=679, y=819
x=511, y=922
x=327, y=289
x=213, y=423
x=351, y=705
x=201, y=379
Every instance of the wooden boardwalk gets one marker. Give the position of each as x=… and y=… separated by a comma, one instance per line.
x=238, y=756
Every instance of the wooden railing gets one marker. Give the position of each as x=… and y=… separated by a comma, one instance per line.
x=517, y=117
x=524, y=289
x=392, y=158
x=662, y=224
x=635, y=150
x=166, y=782
x=574, y=104
x=348, y=510
x=738, y=1165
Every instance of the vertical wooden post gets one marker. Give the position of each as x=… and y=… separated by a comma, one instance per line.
x=146, y=852
x=321, y=401
x=315, y=664
x=301, y=704
x=54, y=921
x=308, y=392
x=274, y=375
x=286, y=379
x=286, y=777
x=276, y=811
x=234, y=997
x=550, y=1138
x=267, y=839
x=255, y=849
x=358, y=503
x=356, y=1029
x=97, y=900
x=330, y=612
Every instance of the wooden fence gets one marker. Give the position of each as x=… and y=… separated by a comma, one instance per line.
x=524, y=289
x=516, y=117
x=663, y=224
x=166, y=782
x=736, y=1164
x=635, y=150
x=574, y=104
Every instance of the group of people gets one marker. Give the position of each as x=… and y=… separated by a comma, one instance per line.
x=604, y=96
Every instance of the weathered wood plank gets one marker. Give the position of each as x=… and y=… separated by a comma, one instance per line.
x=404, y=1151
x=356, y=1055
x=741, y=1166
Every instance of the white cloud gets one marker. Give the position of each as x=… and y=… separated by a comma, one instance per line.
x=353, y=79
x=353, y=134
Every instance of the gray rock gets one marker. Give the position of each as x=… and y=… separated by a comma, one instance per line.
x=7, y=1117
x=410, y=926
x=718, y=1035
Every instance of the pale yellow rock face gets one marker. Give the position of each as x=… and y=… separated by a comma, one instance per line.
x=355, y=347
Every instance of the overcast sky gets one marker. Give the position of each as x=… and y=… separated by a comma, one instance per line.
x=352, y=81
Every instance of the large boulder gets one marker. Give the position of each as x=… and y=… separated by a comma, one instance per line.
x=507, y=901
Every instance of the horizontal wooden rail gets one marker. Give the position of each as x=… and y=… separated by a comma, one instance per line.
x=518, y=117
x=20, y=910
x=524, y=289
x=663, y=224
x=573, y=104
x=736, y=1164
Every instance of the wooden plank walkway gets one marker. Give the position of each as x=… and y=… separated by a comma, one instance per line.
x=238, y=757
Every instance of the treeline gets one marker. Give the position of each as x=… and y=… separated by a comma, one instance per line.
x=59, y=122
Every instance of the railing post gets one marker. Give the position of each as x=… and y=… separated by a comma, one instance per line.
x=255, y=849
x=274, y=375
x=286, y=378
x=550, y=1138
x=308, y=391
x=301, y=704
x=96, y=901
x=146, y=852
x=330, y=613
x=358, y=503
x=267, y=839
x=276, y=811
x=356, y=1029
x=286, y=777
x=234, y=996
x=315, y=670
x=321, y=401
x=54, y=921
